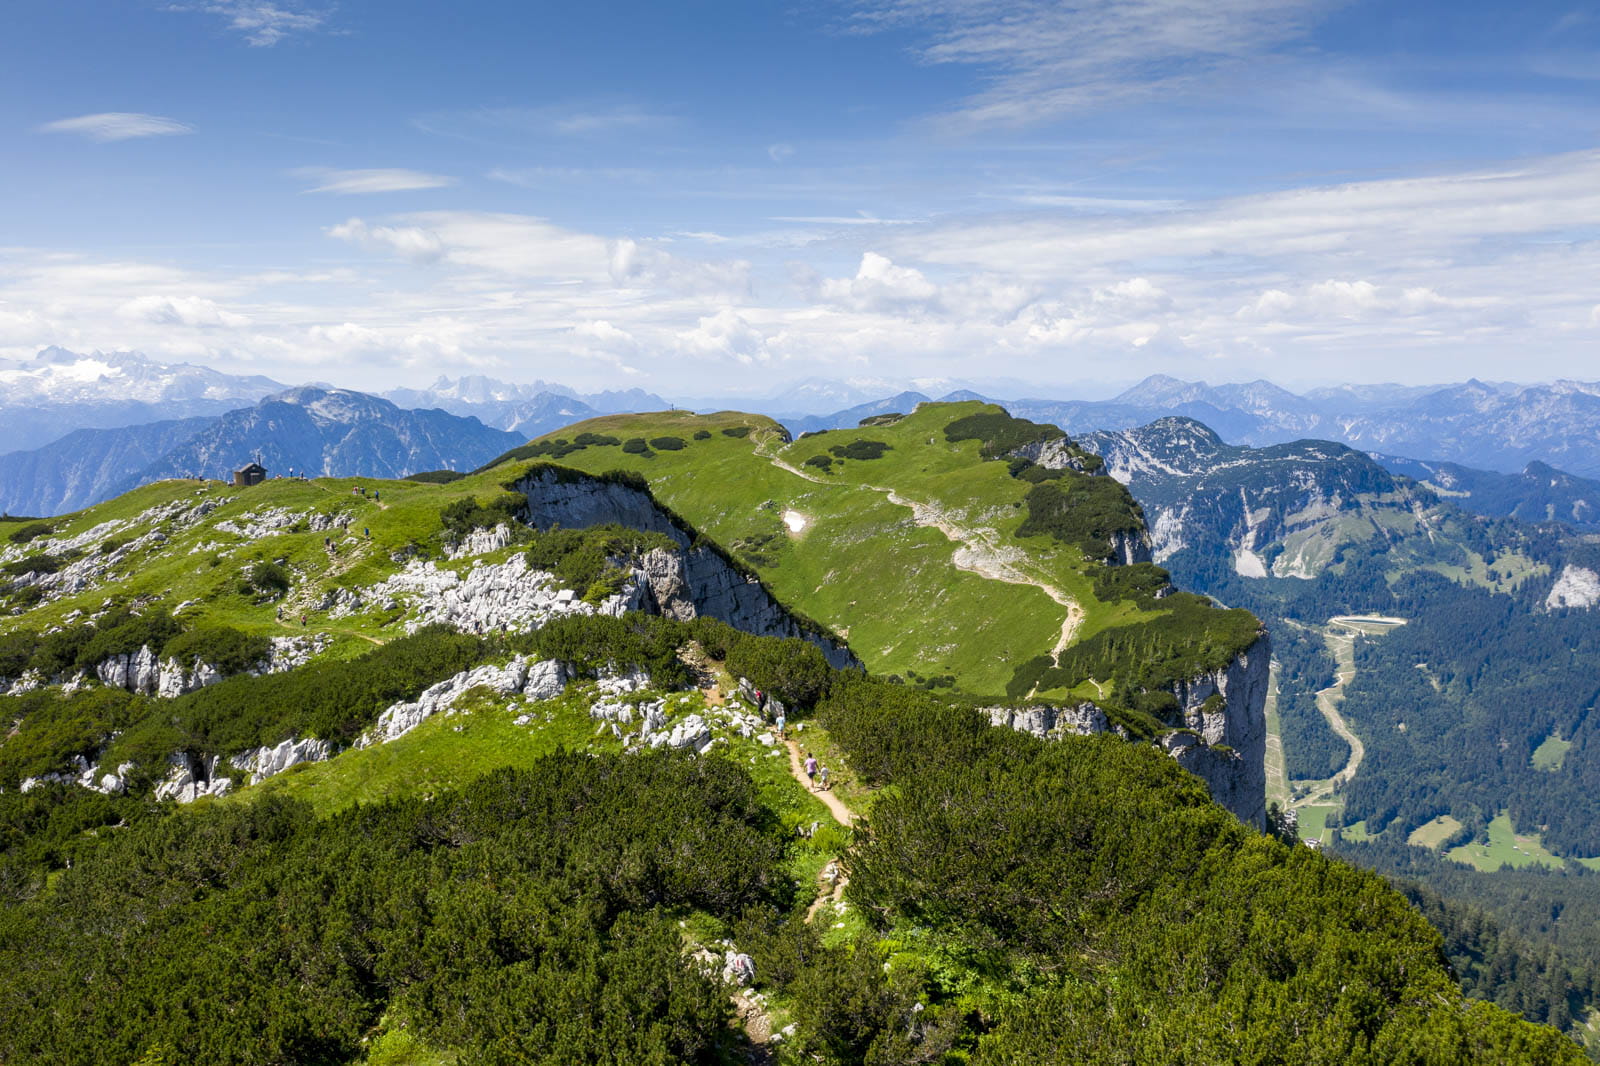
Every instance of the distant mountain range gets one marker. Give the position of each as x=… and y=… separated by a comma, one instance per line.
x=1540, y=493
x=306, y=430
x=1489, y=426
x=530, y=410
x=56, y=392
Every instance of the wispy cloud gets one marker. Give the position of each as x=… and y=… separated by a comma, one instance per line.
x=571, y=119
x=1048, y=59
x=118, y=126
x=262, y=22
x=348, y=182
x=843, y=220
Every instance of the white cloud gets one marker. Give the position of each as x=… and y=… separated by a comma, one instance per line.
x=262, y=22
x=880, y=285
x=725, y=336
x=118, y=126
x=603, y=335
x=1134, y=296
x=408, y=242
x=369, y=181
x=633, y=264
x=1048, y=59
x=780, y=152
x=570, y=119
x=182, y=311
x=605, y=119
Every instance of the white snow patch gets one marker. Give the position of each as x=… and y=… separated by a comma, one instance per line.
x=795, y=521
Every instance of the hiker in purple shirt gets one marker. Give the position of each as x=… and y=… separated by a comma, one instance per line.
x=811, y=770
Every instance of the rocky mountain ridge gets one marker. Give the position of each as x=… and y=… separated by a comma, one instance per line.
x=58, y=391
x=319, y=432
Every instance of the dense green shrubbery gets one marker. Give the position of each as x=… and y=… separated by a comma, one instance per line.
x=558, y=448
x=1088, y=512
x=48, y=728
x=821, y=462
x=736, y=431
x=436, y=477
x=860, y=449
x=636, y=446
x=523, y=919
x=226, y=648
x=43, y=563
x=999, y=432
x=592, y=561
x=122, y=631
x=1145, y=659
x=599, y=642
x=46, y=829
x=702, y=434
x=460, y=517
x=668, y=444
x=30, y=532
x=1143, y=583
x=267, y=579
x=1101, y=910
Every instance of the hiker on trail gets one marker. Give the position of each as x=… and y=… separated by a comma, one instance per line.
x=811, y=770
x=761, y=701
x=782, y=721
x=280, y=614
x=366, y=531
x=823, y=777
x=302, y=621
x=376, y=495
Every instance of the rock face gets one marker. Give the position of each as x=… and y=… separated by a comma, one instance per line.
x=1238, y=720
x=1223, y=739
x=482, y=542
x=536, y=680
x=191, y=777
x=1044, y=721
x=262, y=763
x=141, y=672
x=1577, y=586
x=488, y=598
x=695, y=580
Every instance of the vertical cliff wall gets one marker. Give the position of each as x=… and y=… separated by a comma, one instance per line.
x=695, y=580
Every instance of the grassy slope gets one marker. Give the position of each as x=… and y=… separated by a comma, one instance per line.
x=861, y=565
x=204, y=564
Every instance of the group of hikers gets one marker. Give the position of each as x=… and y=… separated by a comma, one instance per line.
x=814, y=770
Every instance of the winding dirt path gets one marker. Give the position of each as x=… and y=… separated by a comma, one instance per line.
x=841, y=814
x=828, y=892
x=1343, y=647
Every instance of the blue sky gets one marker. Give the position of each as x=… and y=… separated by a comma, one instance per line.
x=708, y=197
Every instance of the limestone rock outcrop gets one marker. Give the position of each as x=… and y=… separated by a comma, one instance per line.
x=535, y=680
x=1222, y=738
x=262, y=763
x=1576, y=586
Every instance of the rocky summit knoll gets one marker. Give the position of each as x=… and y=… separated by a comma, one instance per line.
x=966, y=550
